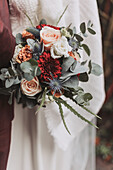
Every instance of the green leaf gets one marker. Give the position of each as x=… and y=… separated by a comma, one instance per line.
x=74, y=111
x=67, y=62
x=31, y=43
x=70, y=31
x=9, y=82
x=83, y=77
x=18, y=95
x=91, y=31
x=33, y=62
x=4, y=91
x=74, y=70
x=11, y=72
x=72, y=82
x=34, y=31
x=26, y=67
x=62, y=15
x=62, y=116
x=83, y=27
x=2, y=77
x=90, y=66
x=89, y=24
x=28, y=76
x=86, y=48
x=78, y=37
x=96, y=69
x=90, y=111
x=43, y=21
x=37, y=71
x=10, y=99
x=43, y=100
x=82, y=98
x=83, y=62
x=74, y=30
x=4, y=70
x=30, y=103
x=19, y=39
x=17, y=81
x=87, y=97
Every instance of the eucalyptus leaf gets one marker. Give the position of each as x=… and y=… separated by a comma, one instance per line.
x=37, y=71
x=79, y=38
x=31, y=43
x=33, y=62
x=34, y=31
x=96, y=69
x=43, y=21
x=11, y=72
x=74, y=30
x=26, y=67
x=73, y=71
x=78, y=68
x=83, y=77
x=83, y=27
x=30, y=103
x=91, y=31
x=67, y=62
x=10, y=101
x=9, y=82
x=86, y=48
x=70, y=31
x=85, y=35
x=90, y=66
x=2, y=77
x=83, y=62
x=73, y=82
x=4, y=70
x=18, y=95
x=87, y=97
x=4, y=91
x=80, y=99
x=37, y=48
x=28, y=76
x=19, y=39
x=16, y=81
x=89, y=24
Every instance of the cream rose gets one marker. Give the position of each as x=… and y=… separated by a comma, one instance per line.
x=30, y=88
x=60, y=48
x=49, y=36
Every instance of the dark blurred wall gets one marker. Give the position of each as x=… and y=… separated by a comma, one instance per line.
x=106, y=17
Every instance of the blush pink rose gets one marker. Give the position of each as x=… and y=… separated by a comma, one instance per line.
x=49, y=36
x=30, y=88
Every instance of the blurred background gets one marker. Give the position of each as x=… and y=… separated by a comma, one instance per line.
x=104, y=139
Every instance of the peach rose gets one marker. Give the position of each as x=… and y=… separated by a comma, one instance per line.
x=49, y=36
x=30, y=88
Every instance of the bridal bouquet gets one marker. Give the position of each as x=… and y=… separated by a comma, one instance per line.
x=46, y=66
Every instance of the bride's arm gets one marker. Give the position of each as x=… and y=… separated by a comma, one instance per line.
x=7, y=41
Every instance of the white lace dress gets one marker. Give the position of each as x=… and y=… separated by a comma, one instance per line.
x=41, y=142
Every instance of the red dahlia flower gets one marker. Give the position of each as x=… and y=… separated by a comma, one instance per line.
x=49, y=65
